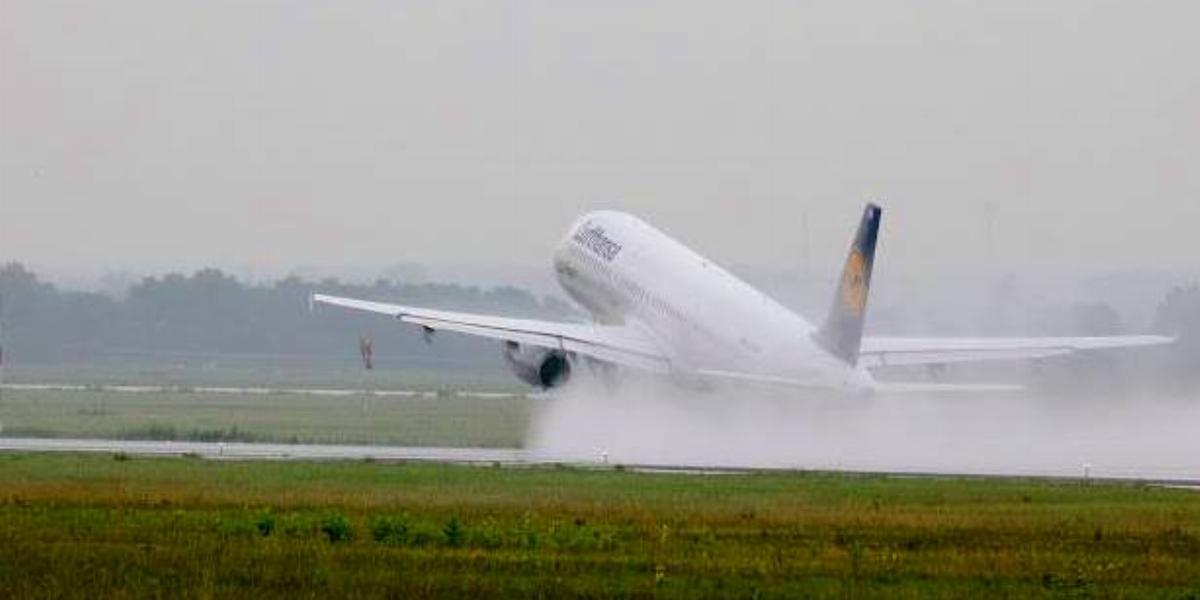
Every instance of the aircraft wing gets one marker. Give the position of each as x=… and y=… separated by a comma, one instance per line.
x=878, y=352
x=616, y=344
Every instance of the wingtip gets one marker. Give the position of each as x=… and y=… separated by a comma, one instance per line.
x=315, y=298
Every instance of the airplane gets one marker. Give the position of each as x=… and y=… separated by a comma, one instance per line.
x=657, y=306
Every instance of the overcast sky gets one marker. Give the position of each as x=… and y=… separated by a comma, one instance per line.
x=150, y=135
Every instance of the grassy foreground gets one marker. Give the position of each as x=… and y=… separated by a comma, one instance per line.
x=88, y=526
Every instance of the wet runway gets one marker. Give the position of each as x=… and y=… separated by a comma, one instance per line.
x=255, y=451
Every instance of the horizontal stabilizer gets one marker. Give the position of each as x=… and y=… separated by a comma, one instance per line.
x=881, y=352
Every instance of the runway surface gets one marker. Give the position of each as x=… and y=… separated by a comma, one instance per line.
x=511, y=457
x=249, y=451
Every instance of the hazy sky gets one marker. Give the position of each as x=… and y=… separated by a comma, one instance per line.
x=148, y=134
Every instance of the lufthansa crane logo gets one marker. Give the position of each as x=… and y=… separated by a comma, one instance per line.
x=854, y=284
x=595, y=239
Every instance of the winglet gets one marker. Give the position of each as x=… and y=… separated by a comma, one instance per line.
x=841, y=334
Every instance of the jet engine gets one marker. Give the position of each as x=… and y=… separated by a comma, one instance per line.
x=539, y=367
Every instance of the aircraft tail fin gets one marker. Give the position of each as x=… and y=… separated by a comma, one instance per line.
x=841, y=334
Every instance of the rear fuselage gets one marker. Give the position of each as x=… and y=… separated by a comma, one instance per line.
x=624, y=271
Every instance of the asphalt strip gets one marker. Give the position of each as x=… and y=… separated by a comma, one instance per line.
x=509, y=457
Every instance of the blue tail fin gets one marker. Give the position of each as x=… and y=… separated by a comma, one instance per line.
x=841, y=334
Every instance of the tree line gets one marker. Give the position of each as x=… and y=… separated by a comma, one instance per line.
x=212, y=313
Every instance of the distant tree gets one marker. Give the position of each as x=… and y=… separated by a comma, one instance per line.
x=39, y=321
x=557, y=308
x=1179, y=315
x=1096, y=318
x=1089, y=373
x=212, y=313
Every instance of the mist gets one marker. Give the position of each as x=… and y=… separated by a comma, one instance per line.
x=645, y=422
x=257, y=137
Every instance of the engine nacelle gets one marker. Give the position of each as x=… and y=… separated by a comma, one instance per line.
x=538, y=367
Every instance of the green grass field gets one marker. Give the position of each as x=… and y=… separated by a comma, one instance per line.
x=88, y=526
x=492, y=376
x=437, y=420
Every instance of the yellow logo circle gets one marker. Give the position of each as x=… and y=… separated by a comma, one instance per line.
x=854, y=284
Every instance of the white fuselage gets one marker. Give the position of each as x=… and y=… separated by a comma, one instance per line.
x=624, y=271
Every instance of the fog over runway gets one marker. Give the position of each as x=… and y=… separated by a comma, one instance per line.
x=1138, y=436
x=654, y=426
